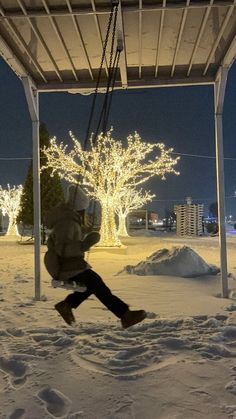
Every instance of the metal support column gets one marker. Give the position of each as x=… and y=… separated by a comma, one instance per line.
x=146, y=219
x=31, y=94
x=219, y=92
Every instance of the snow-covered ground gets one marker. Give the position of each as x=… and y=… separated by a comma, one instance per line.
x=179, y=363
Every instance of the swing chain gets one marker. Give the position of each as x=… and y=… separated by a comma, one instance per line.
x=111, y=70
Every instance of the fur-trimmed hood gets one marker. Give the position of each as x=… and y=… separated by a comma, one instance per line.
x=77, y=198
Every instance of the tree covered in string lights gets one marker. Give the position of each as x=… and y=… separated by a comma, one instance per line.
x=130, y=199
x=10, y=205
x=108, y=168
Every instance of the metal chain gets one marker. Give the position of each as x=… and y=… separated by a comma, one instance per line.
x=99, y=77
x=112, y=72
x=112, y=90
x=110, y=77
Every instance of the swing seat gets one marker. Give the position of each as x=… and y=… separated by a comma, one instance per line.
x=69, y=285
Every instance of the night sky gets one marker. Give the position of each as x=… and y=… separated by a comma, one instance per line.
x=180, y=117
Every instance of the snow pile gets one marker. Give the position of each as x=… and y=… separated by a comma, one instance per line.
x=177, y=261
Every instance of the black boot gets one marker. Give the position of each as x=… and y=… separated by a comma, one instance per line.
x=65, y=310
x=132, y=317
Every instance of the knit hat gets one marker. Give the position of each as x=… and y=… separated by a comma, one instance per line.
x=77, y=198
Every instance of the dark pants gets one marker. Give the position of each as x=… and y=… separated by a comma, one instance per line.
x=96, y=286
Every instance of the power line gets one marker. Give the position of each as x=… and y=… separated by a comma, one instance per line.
x=15, y=158
x=194, y=199
x=193, y=155
x=181, y=199
x=201, y=156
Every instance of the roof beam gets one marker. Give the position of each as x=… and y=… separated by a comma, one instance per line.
x=60, y=38
x=140, y=38
x=87, y=88
x=200, y=33
x=230, y=54
x=24, y=45
x=121, y=45
x=40, y=38
x=101, y=10
x=181, y=29
x=9, y=55
x=228, y=59
x=78, y=32
x=159, y=36
x=99, y=33
x=217, y=41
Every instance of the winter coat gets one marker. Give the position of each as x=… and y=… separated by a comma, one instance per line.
x=66, y=243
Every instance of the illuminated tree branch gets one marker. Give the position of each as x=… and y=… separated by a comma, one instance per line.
x=108, y=168
x=10, y=205
x=129, y=200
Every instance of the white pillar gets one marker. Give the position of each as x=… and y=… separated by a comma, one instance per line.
x=219, y=91
x=32, y=100
x=146, y=219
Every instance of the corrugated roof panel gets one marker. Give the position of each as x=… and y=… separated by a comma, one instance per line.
x=225, y=39
x=50, y=39
x=150, y=28
x=210, y=34
x=131, y=38
x=20, y=46
x=10, y=4
x=60, y=41
x=72, y=44
x=29, y=3
x=171, y=24
x=90, y=36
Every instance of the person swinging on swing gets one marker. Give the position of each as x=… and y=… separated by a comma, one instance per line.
x=65, y=261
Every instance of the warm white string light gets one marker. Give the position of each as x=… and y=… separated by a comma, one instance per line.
x=109, y=168
x=10, y=205
x=130, y=199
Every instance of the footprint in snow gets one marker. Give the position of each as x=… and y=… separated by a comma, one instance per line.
x=16, y=369
x=57, y=404
x=14, y=331
x=231, y=386
x=16, y=414
x=76, y=415
x=124, y=410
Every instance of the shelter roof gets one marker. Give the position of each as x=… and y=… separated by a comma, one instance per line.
x=58, y=43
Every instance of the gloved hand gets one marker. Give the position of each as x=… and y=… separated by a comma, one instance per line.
x=89, y=241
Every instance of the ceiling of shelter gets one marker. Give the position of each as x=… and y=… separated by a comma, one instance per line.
x=59, y=42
